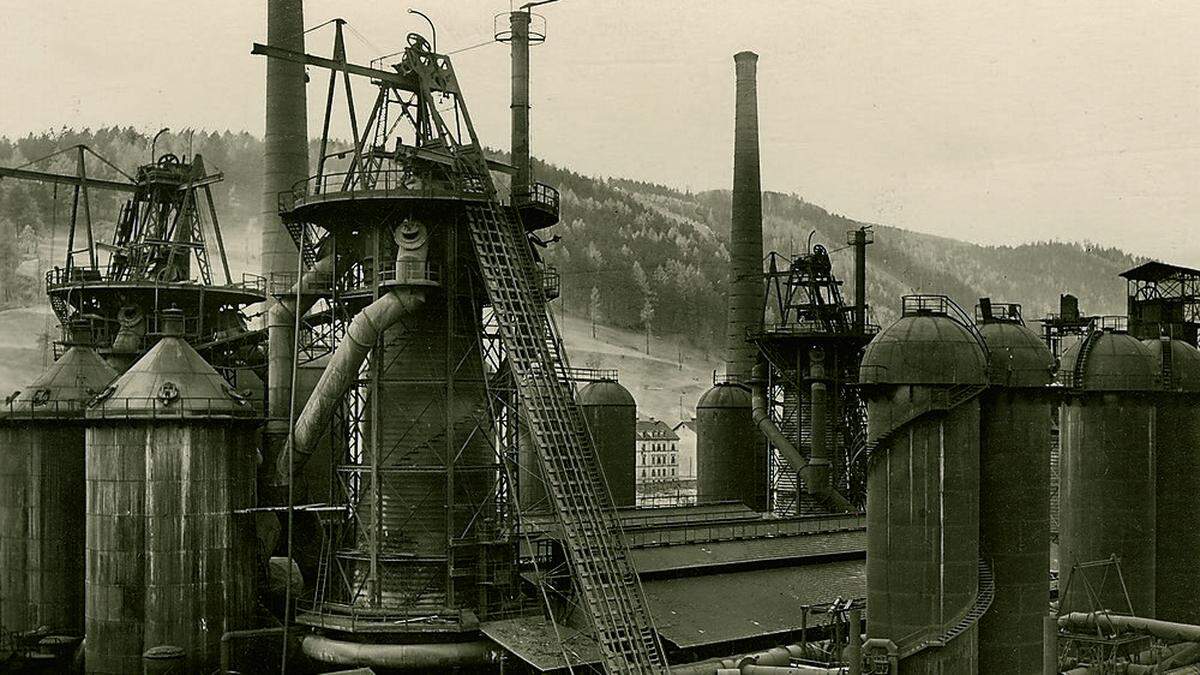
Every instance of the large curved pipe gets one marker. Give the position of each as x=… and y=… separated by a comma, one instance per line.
x=341, y=372
x=1163, y=630
x=417, y=657
x=281, y=318
x=888, y=647
x=812, y=479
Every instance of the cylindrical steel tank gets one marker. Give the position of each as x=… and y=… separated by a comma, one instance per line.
x=170, y=460
x=1014, y=508
x=1106, y=474
x=921, y=377
x=731, y=456
x=41, y=491
x=1177, y=467
x=611, y=415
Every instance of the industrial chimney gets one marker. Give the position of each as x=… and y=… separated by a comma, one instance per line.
x=745, y=236
x=285, y=163
x=731, y=456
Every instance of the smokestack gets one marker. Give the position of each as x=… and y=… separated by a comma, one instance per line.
x=745, y=279
x=285, y=143
x=519, y=25
x=859, y=239
x=285, y=163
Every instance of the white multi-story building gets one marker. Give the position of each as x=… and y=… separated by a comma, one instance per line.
x=657, y=452
x=686, y=431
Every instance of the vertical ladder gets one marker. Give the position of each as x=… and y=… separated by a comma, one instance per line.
x=600, y=563
x=1166, y=370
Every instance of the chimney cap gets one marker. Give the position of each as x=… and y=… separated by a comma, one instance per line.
x=745, y=56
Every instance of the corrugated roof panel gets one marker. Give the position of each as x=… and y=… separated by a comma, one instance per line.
x=701, y=610
x=535, y=641
x=661, y=558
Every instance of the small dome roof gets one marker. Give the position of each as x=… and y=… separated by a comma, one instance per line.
x=1018, y=357
x=605, y=392
x=1115, y=361
x=924, y=349
x=65, y=388
x=170, y=380
x=1185, y=364
x=725, y=395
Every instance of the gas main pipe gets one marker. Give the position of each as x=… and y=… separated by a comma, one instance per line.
x=342, y=370
x=428, y=657
x=811, y=472
x=364, y=331
x=1164, y=630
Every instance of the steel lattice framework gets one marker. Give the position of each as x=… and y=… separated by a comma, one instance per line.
x=453, y=395
x=803, y=309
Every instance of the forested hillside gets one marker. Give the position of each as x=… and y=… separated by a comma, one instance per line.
x=632, y=255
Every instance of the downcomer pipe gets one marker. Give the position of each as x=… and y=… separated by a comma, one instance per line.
x=745, y=236
x=819, y=489
x=285, y=163
x=342, y=371
x=426, y=657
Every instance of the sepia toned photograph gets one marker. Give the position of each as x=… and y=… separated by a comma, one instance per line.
x=817, y=337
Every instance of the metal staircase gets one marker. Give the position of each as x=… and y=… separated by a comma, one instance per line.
x=983, y=601
x=1080, y=366
x=942, y=400
x=601, y=568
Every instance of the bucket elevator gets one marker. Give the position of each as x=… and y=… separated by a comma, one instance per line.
x=421, y=291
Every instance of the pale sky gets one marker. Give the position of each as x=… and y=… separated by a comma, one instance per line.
x=991, y=122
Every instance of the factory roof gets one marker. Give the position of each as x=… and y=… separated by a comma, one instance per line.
x=702, y=610
x=535, y=641
x=656, y=430
x=699, y=610
x=64, y=389
x=170, y=380
x=743, y=553
x=1157, y=271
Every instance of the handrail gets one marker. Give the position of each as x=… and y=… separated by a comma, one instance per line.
x=76, y=276
x=233, y=405
x=911, y=305
x=538, y=194
x=406, y=182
